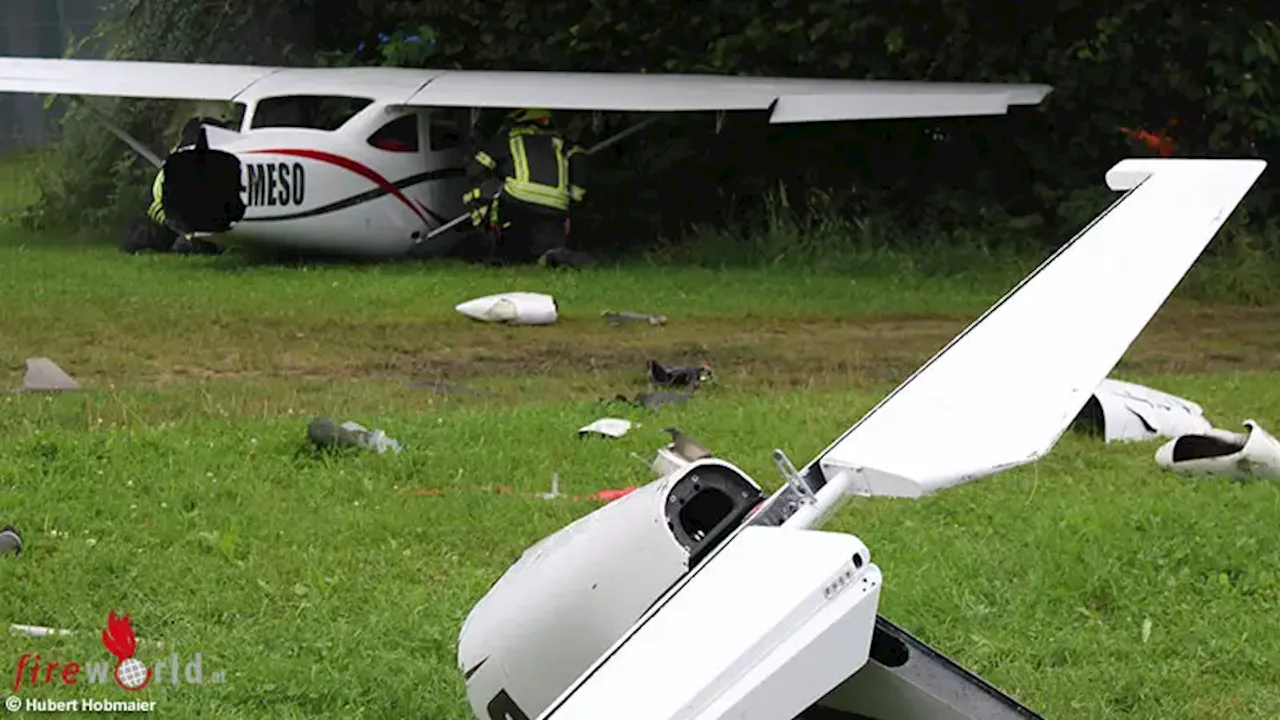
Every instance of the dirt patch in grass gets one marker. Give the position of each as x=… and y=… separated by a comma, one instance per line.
x=767, y=352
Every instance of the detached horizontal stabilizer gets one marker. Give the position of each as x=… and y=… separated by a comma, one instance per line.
x=1002, y=392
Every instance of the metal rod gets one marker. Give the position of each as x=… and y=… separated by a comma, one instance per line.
x=128, y=139
x=625, y=133
x=449, y=225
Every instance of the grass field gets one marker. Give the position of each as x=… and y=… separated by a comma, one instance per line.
x=177, y=486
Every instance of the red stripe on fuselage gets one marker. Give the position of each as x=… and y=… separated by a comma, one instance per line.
x=348, y=164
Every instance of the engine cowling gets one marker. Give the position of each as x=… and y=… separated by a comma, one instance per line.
x=571, y=596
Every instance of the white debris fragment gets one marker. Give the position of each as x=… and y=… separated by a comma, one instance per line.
x=37, y=630
x=555, y=488
x=610, y=427
x=375, y=439
x=513, y=308
x=40, y=631
x=1244, y=456
x=1127, y=412
x=666, y=461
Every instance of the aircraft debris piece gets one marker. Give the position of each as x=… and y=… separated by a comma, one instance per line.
x=37, y=631
x=44, y=375
x=555, y=489
x=10, y=540
x=686, y=447
x=512, y=308
x=42, y=631
x=1251, y=455
x=607, y=427
x=667, y=461
x=1122, y=411
x=325, y=433
x=616, y=318
x=690, y=376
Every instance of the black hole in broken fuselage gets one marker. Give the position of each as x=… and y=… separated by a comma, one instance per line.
x=1193, y=447
x=1090, y=421
x=704, y=511
x=202, y=191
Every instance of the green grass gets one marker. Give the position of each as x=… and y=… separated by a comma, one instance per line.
x=177, y=486
x=18, y=181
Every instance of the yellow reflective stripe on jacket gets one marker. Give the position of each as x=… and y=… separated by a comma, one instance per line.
x=519, y=160
x=156, y=211
x=536, y=194
x=485, y=159
x=521, y=188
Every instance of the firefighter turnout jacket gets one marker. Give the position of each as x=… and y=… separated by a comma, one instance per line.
x=531, y=164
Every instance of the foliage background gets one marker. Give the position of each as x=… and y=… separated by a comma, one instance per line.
x=1010, y=182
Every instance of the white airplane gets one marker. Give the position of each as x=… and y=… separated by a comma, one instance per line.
x=695, y=598
x=370, y=161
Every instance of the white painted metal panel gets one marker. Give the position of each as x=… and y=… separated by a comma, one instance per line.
x=797, y=99
x=792, y=99
x=753, y=614
x=1004, y=391
x=380, y=84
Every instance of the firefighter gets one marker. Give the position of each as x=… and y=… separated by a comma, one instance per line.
x=536, y=175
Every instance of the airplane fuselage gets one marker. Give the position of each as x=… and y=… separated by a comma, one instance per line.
x=375, y=187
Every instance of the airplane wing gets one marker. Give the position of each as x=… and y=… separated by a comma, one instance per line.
x=129, y=79
x=202, y=81
x=788, y=99
x=1002, y=392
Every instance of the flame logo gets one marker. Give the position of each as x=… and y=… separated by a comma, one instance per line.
x=119, y=640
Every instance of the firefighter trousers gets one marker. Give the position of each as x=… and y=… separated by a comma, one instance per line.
x=526, y=232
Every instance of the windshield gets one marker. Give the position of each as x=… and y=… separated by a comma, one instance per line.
x=316, y=112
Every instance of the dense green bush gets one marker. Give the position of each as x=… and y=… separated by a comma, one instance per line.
x=1023, y=178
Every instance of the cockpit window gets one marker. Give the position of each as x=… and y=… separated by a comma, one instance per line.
x=315, y=112
x=446, y=128
x=399, y=135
